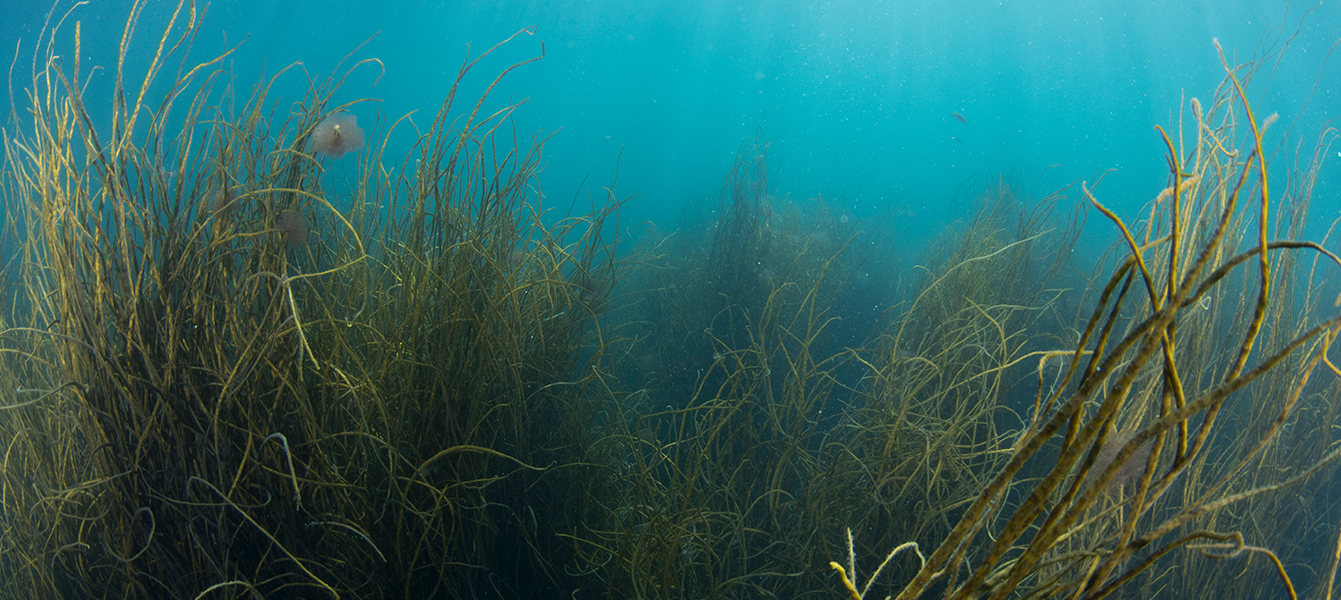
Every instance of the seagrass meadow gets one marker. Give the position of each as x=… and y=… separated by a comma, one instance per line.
x=227, y=373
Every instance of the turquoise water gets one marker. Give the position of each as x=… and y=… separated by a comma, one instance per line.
x=858, y=97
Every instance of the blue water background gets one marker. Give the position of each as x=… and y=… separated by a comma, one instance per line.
x=856, y=96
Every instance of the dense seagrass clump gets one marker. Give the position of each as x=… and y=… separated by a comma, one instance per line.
x=237, y=376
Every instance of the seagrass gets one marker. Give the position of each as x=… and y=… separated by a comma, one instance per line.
x=1154, y=363
x=244, y=367
x=445, y=388
x=730, y=476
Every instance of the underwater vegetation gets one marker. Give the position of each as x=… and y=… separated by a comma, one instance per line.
x=235, y=377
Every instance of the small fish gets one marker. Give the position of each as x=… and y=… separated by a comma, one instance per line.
x=959, y=117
